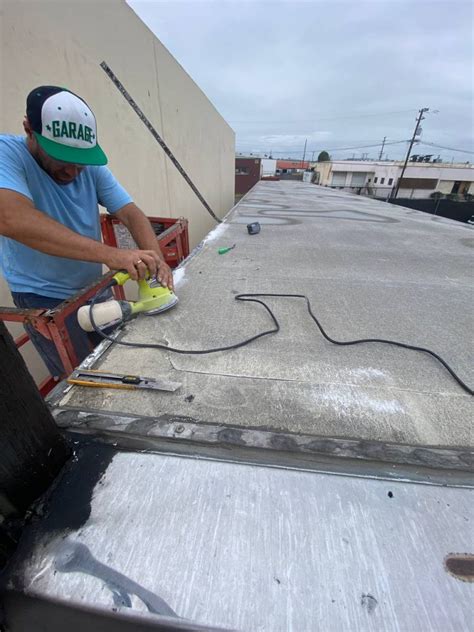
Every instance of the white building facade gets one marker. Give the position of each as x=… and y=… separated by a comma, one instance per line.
x=378, y=178
x=269, y=167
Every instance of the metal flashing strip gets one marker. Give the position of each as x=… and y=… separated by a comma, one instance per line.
x=189, y=437
x=106, y=68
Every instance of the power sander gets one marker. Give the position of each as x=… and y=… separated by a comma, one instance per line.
x=153, y=299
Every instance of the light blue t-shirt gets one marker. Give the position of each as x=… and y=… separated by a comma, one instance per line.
x=74, y=205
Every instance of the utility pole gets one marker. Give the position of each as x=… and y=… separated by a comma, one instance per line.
x=415, y=134
x=383, y=145
x=304, y=153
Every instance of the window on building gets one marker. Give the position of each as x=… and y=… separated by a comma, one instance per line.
x=390, y=181
x=369, y=180
x=382, y=180
x=375, y=180
x=242, y=171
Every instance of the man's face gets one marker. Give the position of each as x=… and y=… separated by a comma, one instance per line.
x=60, y=172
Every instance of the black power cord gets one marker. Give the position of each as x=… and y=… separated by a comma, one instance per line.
x=252, y=298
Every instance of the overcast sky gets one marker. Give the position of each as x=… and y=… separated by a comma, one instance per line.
x=340, y=73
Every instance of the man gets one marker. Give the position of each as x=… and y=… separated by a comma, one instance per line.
x=51, y=183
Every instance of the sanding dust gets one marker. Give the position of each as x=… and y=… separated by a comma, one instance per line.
x=216, y=233
x=345, y=402
x=367, y=374
x=179, y=276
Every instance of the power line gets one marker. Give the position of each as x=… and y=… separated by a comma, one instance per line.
x=335, y=149
x=324, y=118
x=464, y=151
x=394, y=142
x=298, y=151
x=299, y=139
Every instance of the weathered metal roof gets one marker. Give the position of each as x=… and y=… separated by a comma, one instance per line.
x=240, y=547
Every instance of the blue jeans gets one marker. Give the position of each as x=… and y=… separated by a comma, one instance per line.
x=81, y=340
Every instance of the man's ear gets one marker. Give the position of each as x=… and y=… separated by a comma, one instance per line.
x=27, y=127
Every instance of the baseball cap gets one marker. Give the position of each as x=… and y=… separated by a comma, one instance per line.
x=64, y=126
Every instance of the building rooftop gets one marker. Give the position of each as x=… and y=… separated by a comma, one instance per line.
x=238, y=157
x=369, y=269
x=371, y=163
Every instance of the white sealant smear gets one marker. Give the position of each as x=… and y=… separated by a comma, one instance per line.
x=216, y=233
x=367, y=373
x=345, y=401
x=179, y=276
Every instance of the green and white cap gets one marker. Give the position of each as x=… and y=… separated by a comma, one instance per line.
x=64, y=126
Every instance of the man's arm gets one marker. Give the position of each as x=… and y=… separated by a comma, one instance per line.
x=142, y=232
x=21, y=221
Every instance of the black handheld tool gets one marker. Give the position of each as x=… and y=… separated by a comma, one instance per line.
x=253, y=229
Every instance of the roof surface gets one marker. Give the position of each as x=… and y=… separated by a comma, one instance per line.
x=369, y=269
x=224, y=499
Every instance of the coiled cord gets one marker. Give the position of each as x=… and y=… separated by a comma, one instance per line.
x=253, y=299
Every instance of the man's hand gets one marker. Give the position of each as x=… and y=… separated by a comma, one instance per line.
x=136, y=262
x=141, y=230
x=165, y=275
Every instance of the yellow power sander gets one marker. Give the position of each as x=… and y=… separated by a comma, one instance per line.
x=153, y=298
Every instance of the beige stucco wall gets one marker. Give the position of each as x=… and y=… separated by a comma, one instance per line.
x=445, y=186
x=324, y=170
x=62, y=42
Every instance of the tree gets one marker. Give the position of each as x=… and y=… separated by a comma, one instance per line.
x=324, y=157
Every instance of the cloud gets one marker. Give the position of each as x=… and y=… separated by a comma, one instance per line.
x=340, y=71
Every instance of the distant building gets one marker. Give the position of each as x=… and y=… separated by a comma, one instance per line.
x=291, y=166
x=269, y=166
x=248, y=171
x=379, y=178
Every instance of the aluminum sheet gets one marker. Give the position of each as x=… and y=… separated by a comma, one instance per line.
x=253, y=548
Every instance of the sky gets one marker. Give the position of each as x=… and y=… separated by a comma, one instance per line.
x=335, y=73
